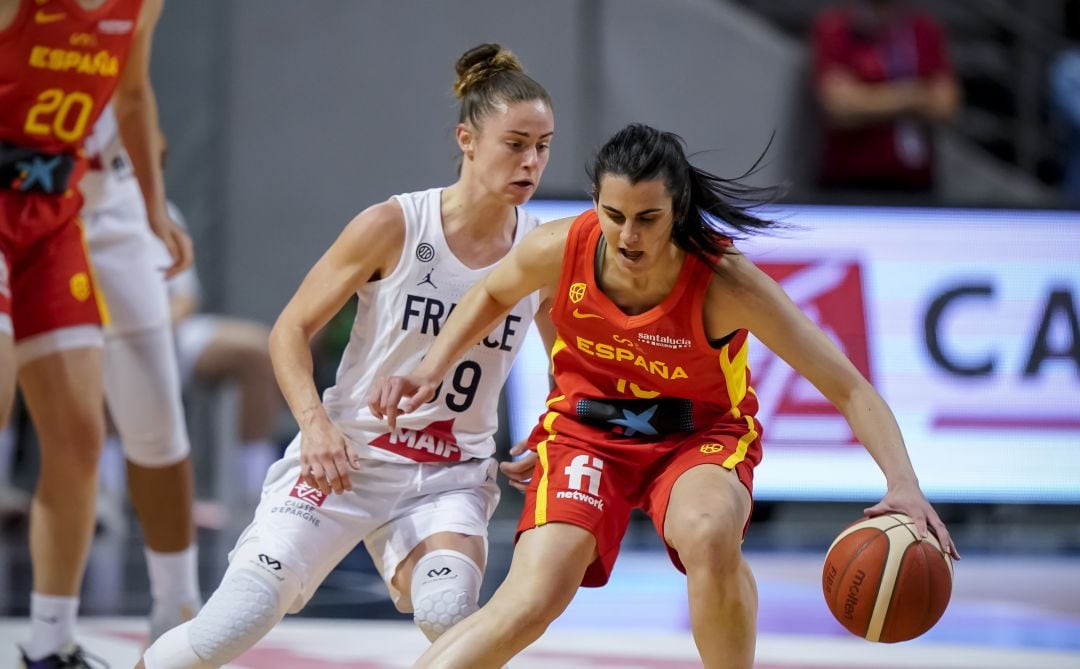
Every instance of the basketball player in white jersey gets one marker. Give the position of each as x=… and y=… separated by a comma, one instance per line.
x=419, y=497
x=141, y=380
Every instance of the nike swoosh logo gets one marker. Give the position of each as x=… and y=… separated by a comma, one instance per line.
x=578, y=314
x=42, y=16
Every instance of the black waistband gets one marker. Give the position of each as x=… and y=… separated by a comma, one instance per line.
x=28, y=170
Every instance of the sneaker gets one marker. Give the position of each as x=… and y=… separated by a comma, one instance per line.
x=70, y=656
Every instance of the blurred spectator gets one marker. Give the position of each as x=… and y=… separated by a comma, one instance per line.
x=882, y=76
x=1065, y=96
x=213, y=349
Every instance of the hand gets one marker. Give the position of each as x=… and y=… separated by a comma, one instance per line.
x=326, y=458
x=519, y=469
x=395, y=395
x=177, y=242
x=908, y=499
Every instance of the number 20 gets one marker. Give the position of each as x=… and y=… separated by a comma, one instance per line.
x=60, y=105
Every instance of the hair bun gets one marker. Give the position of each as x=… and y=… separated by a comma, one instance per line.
x=480, y=63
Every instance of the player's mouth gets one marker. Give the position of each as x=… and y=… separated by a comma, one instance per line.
x=631, y=256
x=523, y=184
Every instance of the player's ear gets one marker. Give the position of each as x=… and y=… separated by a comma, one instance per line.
x=466, y=139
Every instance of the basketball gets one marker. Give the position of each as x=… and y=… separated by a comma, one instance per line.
x=883, y=583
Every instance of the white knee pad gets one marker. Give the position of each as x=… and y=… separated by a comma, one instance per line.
x=255, y=593
x=142, y=390
x=445, y=589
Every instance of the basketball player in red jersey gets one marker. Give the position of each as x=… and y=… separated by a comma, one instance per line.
x=60, y=63
x=652, y=407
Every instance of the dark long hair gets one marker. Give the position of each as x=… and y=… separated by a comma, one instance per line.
x=710, y=211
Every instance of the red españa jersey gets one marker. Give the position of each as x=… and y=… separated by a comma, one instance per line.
x=646, y=376
x=59, y=65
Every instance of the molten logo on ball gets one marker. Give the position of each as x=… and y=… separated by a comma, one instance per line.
x=885, y=583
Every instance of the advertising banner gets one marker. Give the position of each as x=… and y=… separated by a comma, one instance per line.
x=966, y=321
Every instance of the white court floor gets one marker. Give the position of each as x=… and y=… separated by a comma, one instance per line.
x=1006, y=613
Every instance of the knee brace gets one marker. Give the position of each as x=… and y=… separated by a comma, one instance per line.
x=445, y=589
x=142, y=391
x=255, y=593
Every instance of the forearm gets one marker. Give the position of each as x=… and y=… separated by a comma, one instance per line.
x=875, y=427
x=137, y=120
x=290, y=355
x=475, y=316
x=851, y=104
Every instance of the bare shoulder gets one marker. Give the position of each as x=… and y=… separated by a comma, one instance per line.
x=377, y=232
x=738, y=277
x=549, y=237
x=150, y=13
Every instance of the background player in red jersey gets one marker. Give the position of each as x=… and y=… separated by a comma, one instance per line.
x=60, y=63
x=652, y=307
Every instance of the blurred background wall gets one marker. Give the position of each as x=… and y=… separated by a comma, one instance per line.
x=287, y=118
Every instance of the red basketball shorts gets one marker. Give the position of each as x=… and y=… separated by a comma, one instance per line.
x=587, y=478
x=46, y=284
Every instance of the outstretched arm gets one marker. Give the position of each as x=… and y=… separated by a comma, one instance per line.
x=529, y=266
x=744, y=293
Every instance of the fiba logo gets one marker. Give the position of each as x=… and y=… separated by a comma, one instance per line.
x=579, y=469
x=425, y=252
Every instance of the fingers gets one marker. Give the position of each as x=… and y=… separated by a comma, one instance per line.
x=944, y=538
x=180, y=250
x=519, y=448
x=375, y=398
x=328, y=472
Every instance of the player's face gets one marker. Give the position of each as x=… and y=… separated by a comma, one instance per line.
x=636, y=220
x=511, y=150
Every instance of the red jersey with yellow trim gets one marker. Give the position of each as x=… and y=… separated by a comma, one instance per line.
x=59, y=66
x=649, y=376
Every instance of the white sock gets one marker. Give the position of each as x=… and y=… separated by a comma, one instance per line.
x=174, y=578
x=52, y=624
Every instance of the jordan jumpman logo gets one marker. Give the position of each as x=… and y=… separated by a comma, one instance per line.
x=427, y=279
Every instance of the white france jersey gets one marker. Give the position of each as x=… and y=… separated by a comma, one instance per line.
x=397, y=320
x=112, y=190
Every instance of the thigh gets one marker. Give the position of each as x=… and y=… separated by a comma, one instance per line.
x=234, y=345
x=7, y=376
x=711, y=471
x=142, y=388
x=307, y=531
x=193, y=336
x=62, y=392
x=580, y=484
x=450, y=509
x=549, y=565
x=128, y=271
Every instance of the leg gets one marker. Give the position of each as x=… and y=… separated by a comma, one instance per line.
x=236, y=351
x=239, y=352
x=64, y=400
x=705, y=517
x=7, y=376
x=63, y=396
x=549, y=563
x=255, y=594
x=445, y=568
x=142, y=390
